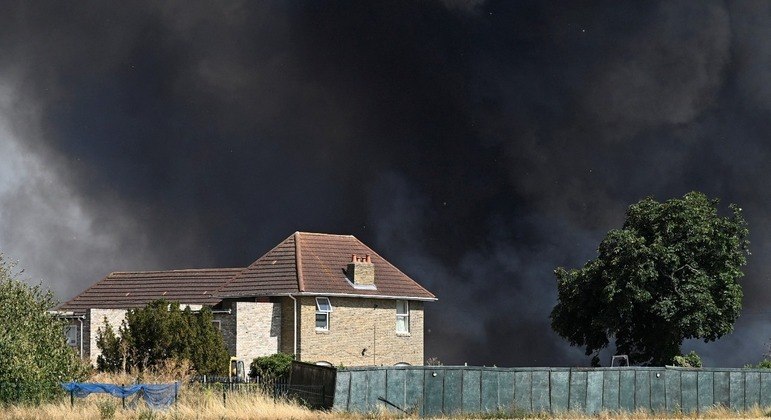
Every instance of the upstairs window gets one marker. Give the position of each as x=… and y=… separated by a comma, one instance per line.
x=402, y=316
x=323, y=308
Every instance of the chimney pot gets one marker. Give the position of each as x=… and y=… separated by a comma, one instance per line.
x=361, y=270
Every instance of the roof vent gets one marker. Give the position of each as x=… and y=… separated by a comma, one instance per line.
x=361, y=270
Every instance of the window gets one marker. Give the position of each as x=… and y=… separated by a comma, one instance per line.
x=71, y=332
x=402, y=316
x=217, y=324
x=323, y=308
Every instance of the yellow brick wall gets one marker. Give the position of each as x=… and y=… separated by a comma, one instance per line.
x=356, y=325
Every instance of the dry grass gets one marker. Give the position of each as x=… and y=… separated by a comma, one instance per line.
x=200, y=404
x=193, y=404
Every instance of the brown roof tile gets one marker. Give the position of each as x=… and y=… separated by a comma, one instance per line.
x=137, y=288
x=315, y=263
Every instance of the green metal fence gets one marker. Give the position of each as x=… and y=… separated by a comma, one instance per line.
x=437, y=390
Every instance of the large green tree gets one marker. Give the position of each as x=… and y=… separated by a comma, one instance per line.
x=670, y=273
x=161, y=331
x=34, y=355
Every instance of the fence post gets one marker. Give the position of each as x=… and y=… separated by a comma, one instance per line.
x=72, y=398
x=176, y=392
x=224, y=395
x=123, y=395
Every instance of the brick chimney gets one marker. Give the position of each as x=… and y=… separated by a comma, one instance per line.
x=361, y=270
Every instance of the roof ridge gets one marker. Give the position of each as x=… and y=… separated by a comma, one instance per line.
x=323, y=234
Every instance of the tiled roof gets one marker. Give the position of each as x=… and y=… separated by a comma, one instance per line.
x=314, y=263
x=304, y=263
x=138, y=288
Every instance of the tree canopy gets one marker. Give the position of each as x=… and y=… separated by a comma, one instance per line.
x=162, y=331
x=670, y=273
x=34, y=355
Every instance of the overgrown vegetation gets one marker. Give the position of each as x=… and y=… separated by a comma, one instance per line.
x=670, y=273
x=159, y=332
x=271, y=367
x=691, y=359
x=34, y=356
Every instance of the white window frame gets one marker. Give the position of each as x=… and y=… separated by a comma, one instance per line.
x=323, y=308
x=217, y=324
x=404, y=315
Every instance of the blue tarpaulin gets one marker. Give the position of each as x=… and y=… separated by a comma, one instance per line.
x=155, y=395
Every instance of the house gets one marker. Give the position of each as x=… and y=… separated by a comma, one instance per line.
x=326, y=299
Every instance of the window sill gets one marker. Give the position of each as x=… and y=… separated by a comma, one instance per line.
x=320, y=331
x=403, y=334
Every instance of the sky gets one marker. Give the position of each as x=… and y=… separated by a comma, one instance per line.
x=477, y=145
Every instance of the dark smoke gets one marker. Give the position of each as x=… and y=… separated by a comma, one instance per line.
x=476, y=144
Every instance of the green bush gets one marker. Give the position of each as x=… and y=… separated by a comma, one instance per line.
x=763, y=364
x=34, y=355
x=161, y=331
x=689, y=360
x=273, y=366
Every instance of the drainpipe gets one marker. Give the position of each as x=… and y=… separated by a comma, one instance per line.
x=80, y=319
x=294, y=323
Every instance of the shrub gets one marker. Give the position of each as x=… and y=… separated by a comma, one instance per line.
x=763, y=364
x=691, y=359
x=34, y=355
x=272, y=367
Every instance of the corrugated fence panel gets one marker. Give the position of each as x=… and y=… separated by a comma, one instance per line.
x=736, y=386
x=441, y=390
x=433, y=380
x=642, y=390
x=765, y=389
x=751, y=389
x=359, y=383
x=560, y=390
x=626, y=394
x=721, y=388
x=395, y=385
x=577, y=390
x=506, y=390
x=523, y=390
x=541, y=391
x=673, y=390
x=471, y=390
x=610, y=390
x=413, y=391
x=453, y=391
x=689, y=391
x=342, y=390
x=594, y=381
x=376, y=389
x=489, y=390
x=706, y=388
x=658, y=390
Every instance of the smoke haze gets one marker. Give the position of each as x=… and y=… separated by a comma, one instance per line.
x=476, y=144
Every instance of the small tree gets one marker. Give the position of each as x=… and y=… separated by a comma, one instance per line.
x=34, y=355
x=671, y=273
x=161, y=331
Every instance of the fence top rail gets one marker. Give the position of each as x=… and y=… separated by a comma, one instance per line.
x=553, y=369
